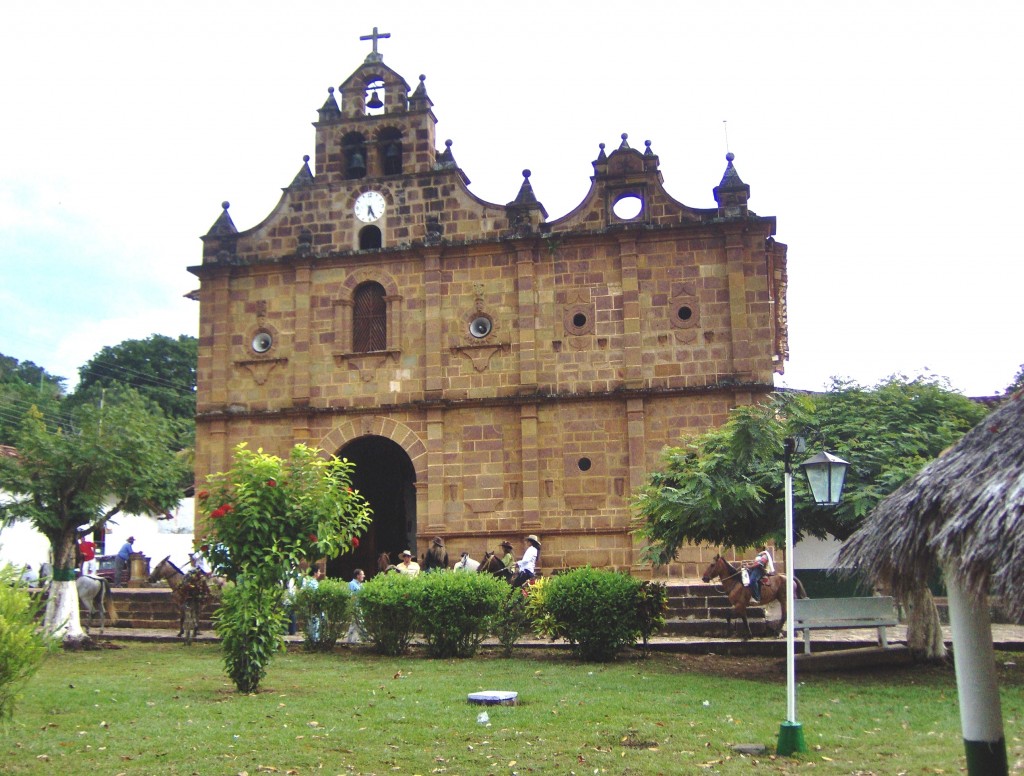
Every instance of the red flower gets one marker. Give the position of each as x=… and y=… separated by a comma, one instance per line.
x=355, y=542
x=219, y=512
x=312, y=537
x=205, y=548
x=227, y=508
x=203, y=495
x=271, y=483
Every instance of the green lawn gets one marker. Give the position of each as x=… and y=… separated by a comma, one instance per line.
x=167, y=709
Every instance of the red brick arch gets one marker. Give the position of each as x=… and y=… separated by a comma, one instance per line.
x=378, y=425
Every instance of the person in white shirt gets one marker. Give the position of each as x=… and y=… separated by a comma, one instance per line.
x=762, y=566
x=527, y=566
x=408, y=566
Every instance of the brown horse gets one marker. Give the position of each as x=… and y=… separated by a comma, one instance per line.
x=384, y=564
x=191, y=589
x=772, y=589
x=491, y=564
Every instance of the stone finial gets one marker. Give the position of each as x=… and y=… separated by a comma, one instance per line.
x=624, y=145
x=223, y=226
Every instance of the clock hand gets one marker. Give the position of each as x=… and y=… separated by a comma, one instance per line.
x=369, y=211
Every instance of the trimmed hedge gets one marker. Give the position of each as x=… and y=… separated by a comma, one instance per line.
x=596, y=611
x=326, y=611
x=458, y=611
x=389, y=609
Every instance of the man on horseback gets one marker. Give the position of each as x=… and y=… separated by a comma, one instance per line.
x=760, y=567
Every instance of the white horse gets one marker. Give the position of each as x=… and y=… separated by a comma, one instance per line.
x=94, y=593
x=466, y=563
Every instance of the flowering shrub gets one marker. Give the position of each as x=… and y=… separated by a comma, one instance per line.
x=265, y=515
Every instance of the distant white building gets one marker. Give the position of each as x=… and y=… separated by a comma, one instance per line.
x=21, y=543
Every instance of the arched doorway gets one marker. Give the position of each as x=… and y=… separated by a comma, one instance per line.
x=385, y=476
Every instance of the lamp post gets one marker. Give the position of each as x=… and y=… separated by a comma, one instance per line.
x=825, y=474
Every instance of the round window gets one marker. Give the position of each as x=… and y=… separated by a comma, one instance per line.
x=579, y=320
x=480, y=327
x=628, y=207
x=584, y=464
x=262, y=341
x=685, y=313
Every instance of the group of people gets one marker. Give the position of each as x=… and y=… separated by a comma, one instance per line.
x=519, y=572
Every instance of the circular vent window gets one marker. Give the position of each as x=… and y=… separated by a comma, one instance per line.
x=481, y=326
x=628, y=207
x=262, y=341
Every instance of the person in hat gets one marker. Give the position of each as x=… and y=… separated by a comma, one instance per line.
x=507, y=558
x=121, y=570
x=437, y=555
x=528, y=564
x=408, y=566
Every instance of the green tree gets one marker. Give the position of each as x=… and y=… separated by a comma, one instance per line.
x=725, y=487
x=70, y=479
x=23, y=385
x=264, y=517
x=160, y=368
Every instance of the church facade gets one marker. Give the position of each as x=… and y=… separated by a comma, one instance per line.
x=491, y=373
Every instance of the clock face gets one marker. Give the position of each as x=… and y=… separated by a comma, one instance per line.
x=370, y=206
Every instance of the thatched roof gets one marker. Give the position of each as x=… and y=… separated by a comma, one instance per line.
x=965, y=509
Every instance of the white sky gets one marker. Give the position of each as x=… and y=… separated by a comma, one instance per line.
x=885, y=137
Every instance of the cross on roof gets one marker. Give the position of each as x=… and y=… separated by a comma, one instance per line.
x=375, y=36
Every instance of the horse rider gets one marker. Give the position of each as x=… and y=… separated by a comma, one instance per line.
x=437, y=555
x=408, y=566
x=528, y=564
x=508, y=560
x=760, y=567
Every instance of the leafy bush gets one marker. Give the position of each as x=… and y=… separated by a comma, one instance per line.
x=389, y=609
x=513, y=618
x=457, y=611
x=544, y=623
x=651, y=607
x=251, y=624
x=326, y=611
x=21, y=646
x=596, y=611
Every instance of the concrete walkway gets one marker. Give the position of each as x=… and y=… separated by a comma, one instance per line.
x=1004, y=638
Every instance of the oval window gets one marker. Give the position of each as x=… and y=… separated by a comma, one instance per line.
x=628, y=207
x=480, y=327
x=262, y=341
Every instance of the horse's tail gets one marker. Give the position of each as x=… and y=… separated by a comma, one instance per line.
x=108, y=601
x=801, y=591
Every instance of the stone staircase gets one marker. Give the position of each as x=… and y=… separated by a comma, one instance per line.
x=697, y=609
x=153, y=607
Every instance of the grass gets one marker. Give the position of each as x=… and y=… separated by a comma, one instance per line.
x=167, y=709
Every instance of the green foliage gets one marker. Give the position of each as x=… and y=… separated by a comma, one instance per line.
x=513, y=619
x=25, y=387
x=457, y=611
x=267, y=514
x=251, y=624
x=596, y=611
x=160, y=368
x=651, y=608
x=389, y=607
x=543, y=621
x=22, y=646
x=326, y=611
x=1017, y=383
x=725, y=487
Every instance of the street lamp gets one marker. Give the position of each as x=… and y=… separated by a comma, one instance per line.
x=825, y=474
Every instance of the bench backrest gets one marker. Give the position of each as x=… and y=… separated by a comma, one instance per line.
x=824, y=609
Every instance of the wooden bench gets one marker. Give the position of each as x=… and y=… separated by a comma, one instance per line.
x=835, y=613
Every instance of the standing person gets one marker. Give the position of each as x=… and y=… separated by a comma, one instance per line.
x=312, y=582
x=437, y=555
x=762, y=566
x=355, y=633
x=408, y=566
x=87, y=552
x=528, y=564
x=508, y=560
x=121, y=571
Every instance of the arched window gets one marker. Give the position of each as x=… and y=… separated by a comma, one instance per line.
x=370, y=238
x=390, y=148
x=353, y=146
x=369, y=318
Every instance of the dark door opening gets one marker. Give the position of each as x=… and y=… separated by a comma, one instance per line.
x=385, y=476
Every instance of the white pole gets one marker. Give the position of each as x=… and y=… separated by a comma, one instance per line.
x=790, y=574
x=981, y=717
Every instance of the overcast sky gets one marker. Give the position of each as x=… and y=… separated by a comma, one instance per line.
x=885, y=137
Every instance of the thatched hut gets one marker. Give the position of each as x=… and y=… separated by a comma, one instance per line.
x=962, y=514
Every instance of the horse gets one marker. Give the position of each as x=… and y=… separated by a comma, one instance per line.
x=384, y=564
x=772, y=589
x=466, y=563
x=491, y=564
x=189, y=591
x=94, y=593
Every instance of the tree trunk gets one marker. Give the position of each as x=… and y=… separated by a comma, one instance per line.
x=61, y=617
x=924, y=631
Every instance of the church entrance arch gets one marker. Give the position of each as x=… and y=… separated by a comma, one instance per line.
x=384, y=474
